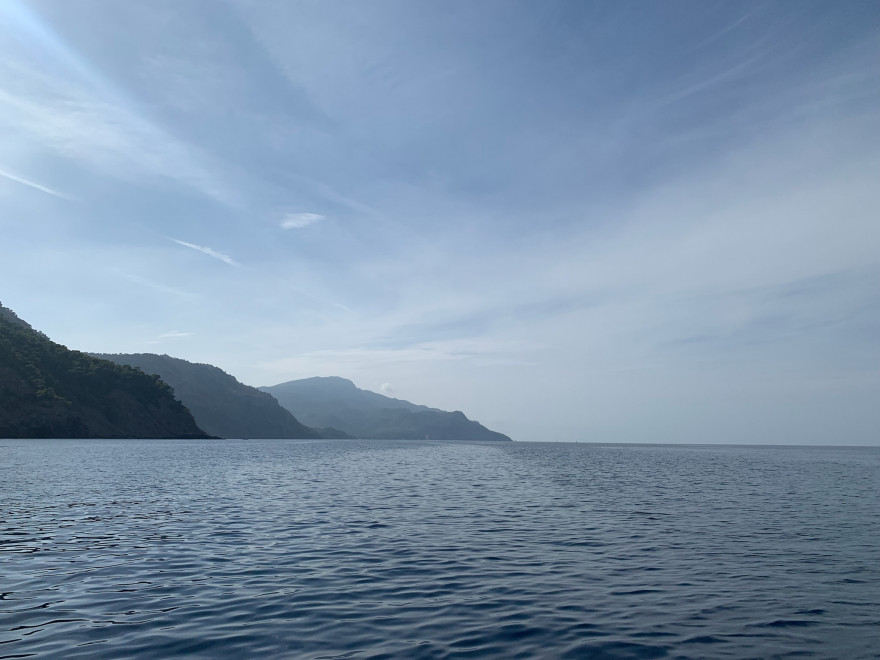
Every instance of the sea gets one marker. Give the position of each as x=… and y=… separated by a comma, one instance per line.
x=395, y=549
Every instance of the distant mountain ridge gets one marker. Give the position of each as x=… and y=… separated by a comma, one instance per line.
x=49, y=391
x=220, y=404
x=339, y=403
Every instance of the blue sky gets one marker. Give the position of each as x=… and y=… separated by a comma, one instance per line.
x=597, y=221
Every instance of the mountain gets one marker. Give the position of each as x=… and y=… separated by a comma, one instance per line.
x=338, y=403
x=220, y=404
x=48, y=391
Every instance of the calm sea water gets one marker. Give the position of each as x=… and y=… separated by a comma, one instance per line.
x=362, y=549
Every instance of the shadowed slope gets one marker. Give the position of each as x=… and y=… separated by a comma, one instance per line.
x=48, y=391
x=220, y=404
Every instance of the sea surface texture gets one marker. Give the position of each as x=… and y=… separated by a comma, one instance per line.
x=369, y=549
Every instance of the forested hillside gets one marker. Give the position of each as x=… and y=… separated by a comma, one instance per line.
x=221, y=405
x=48, y=391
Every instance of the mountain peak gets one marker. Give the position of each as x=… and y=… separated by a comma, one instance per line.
x=337, y=402
x=322, y=383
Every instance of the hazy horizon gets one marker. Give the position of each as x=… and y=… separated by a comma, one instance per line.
x=575, y=221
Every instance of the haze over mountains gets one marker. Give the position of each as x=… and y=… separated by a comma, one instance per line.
x=49, y=391
x=220, y=404
x=338, y=403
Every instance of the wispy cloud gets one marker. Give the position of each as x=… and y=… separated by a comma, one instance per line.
x=478, y=351
x=175, y=334
x=33, y=184
x=300, y=220
x=649, y=261
x=62, y=118
x=171, y=334
x=225, y=258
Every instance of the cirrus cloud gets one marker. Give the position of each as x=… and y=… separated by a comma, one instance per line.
x=300, y=220
x=225, y=258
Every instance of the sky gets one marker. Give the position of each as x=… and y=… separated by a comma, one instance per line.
x=574, y=221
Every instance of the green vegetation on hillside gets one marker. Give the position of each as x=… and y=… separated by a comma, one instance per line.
x=220, y=404
x=48, y=391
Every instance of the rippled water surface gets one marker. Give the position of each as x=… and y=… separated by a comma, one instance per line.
x=433, y=550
